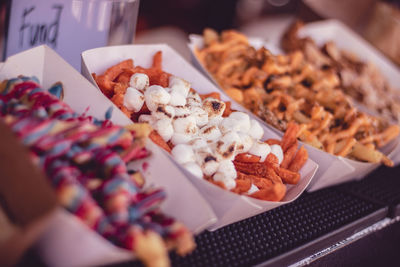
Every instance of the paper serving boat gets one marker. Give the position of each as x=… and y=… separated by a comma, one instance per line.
x=228, y=207
x=332, y=169
x=68, y=242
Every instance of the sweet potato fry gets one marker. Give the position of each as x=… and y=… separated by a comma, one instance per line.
x=288, y=176
x=215, y=95
x=288, y=155
x=299, y=160
x=162, y=79
x=260, y=169
x=290, y=135
x=242, y=186
x=228, y=109
x=157, y=139
x=124, y=77
x=156, y=76
x=272, y=159
x=157, y=60
x=117, y=69
x=246, y=157
x=273, y=142
x=274, y=193
x=272, y=175
x=257, y=169
x=105, y=84
x=262, y=183
x=120, y=89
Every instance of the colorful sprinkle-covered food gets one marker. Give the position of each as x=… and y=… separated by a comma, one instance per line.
x=85, y=161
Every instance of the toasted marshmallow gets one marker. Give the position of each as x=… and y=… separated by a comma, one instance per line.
x=193, y=99
x=243, y=121
x=200, y=115
x=194, y=169
x=215, y=121
x=207, y=161
x=139, y=81
x=260, y=149
x=253, y=189
x=198, y=143
x=229, y=125
x=147, y=119
x=164, y=129
x=210, y=133
x=226, y=146
x=227, y=168
x=179, y=85
x=209, y=167
x=246, y=142
x=183, y=153
x=156, y=95
x=214, y=107
x=133, y=99
x=185, y=125
x=163, y=112
x=256, y=131
x=177, y=98
x=179, y=138
x=277, y=151
x=228, y=183
x=181, y=111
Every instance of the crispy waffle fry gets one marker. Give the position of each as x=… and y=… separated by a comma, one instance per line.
x=299, y=87
x=254, y=178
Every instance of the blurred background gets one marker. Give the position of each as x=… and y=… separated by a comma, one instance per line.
x=170, y=21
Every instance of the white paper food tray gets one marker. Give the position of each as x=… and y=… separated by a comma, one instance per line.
x=228, y=207
x=80, y=94
x=332, y=169
x=334, y=30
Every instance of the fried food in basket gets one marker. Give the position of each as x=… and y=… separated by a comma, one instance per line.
x=286, y=88
x=360, y=79
x=204, y=134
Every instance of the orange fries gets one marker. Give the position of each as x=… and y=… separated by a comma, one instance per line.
x=268, y=176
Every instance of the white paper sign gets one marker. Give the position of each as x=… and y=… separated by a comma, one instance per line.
x=69, y=27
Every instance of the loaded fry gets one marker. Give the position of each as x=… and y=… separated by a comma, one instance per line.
x=85, y=160
x=360, y=80
x=286, y=88
x=203, y=133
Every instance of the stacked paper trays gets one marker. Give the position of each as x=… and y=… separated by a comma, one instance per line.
x=228, y=206
x=333, y=169
x=67, y=235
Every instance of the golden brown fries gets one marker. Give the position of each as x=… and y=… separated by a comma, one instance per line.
x=288, y=88
x=361, y=80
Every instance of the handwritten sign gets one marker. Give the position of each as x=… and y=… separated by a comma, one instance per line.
x=67, y=26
